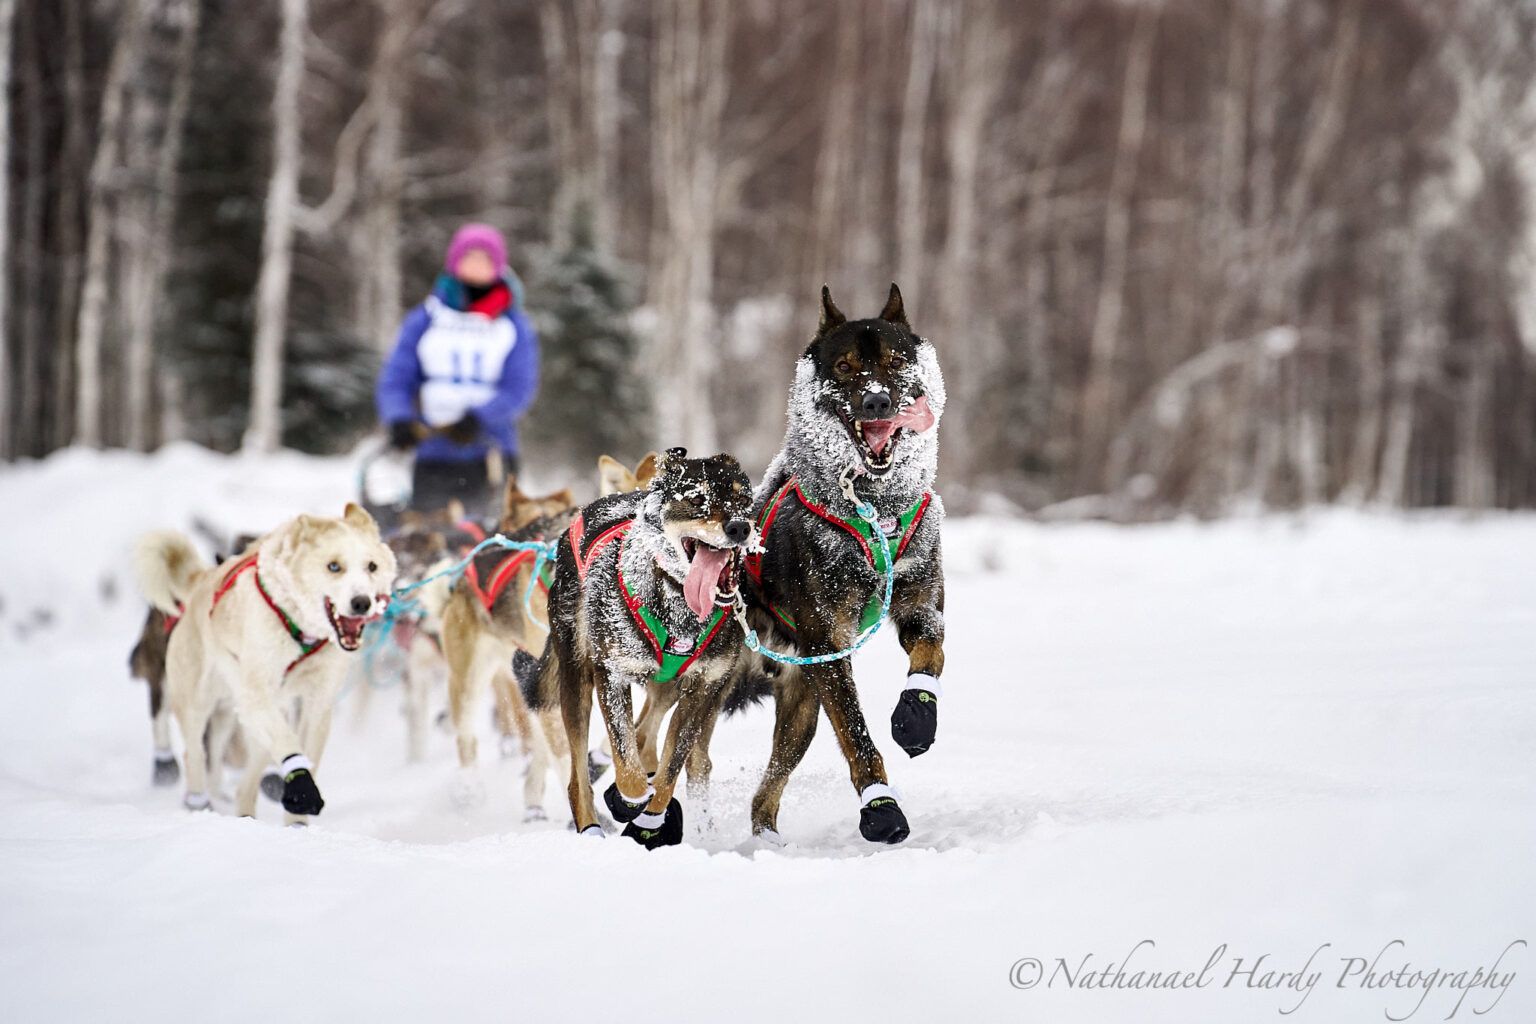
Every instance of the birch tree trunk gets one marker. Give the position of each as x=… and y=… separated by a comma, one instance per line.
x=688, y=98
x=7, y=34
x=831, y=210
x=72, y=167
x=93, y=295
x=264, y=433
x=582, y=44
x=911, y=181
x=388, y=91
x=979, y=58
x=1099, y=388
x=154, y=258
x=30, y=438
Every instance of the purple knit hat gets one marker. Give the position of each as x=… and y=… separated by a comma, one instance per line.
x=476, y=236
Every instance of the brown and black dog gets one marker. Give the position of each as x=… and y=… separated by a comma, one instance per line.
x=643, y=594
x=863, y=414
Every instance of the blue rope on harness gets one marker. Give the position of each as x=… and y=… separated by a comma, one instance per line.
x=401, y=606
x=866, y=512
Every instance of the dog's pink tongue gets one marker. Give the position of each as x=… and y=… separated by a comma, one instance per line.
x=877, y=434
x=703, y=574
x=916, y=417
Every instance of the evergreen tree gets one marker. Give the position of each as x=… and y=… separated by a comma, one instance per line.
x=593, y=397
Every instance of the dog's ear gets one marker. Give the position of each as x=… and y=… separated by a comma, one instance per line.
x=645, y=472
x=356, y=516
x=411, y=521
x=728, y=460
x=831, y=316
x=669, y=464
x=894, y=312
x=613, y=478
x=512, y=497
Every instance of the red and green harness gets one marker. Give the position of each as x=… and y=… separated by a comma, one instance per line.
x=674, y=655
x=307, y=644
x=903, y=526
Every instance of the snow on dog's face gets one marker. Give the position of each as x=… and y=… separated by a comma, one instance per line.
x=339, y=571
x=706, y=513
x=869, y=391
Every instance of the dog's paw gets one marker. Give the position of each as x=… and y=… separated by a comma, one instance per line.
x=272, y=784
x=593, y=832
x=621, y=807
x=534, y=814
x=652, y=830
x=196, y=802
x=915, y=721
x=468, y=790
x=300, y=794
x=880, y=819
x=769, y=837
x=167, y=771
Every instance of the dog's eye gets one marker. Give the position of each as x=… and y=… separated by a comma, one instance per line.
x=843, y=366
x=698, y=500
x=898, y=362
x=334, y=567
x=373, y=566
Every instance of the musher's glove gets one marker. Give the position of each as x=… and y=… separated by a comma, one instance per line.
x=402, y=435
x=466, y=431
x=915, y=721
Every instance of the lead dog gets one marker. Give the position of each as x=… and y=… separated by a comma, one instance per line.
x=863, y=414
x=258, y=634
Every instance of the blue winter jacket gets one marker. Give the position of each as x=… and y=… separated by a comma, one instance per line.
x=447, y=362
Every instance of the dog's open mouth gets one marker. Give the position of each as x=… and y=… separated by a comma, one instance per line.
x=711, y=578
x=349, y=628
x=877, y=439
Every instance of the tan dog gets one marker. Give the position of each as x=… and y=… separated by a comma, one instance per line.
x=259, y=633
x=485, y=622
x=613, y=477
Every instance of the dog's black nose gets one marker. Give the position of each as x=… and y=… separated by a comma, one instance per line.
x=361, y=604
x=877, y=405
x=737, y=530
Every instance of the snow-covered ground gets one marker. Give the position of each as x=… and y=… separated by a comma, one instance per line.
x=1287, y=737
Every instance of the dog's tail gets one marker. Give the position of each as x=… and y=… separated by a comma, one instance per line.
x=166, y=564
x=752, y=686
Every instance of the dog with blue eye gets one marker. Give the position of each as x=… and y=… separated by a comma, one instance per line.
x=259, y=635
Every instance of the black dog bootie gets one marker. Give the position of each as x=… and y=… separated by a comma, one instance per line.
x=619, y=805
x=300, y=794
x=880, y=819
x=915, y=721
x=653, y=830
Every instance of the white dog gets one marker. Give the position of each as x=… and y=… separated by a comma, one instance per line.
x=261, y=635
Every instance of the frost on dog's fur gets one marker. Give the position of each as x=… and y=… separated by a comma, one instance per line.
x=817, y=447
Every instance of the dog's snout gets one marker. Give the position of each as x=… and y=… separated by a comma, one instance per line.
x=361, y=604
x=877, y=405
x=737, y=530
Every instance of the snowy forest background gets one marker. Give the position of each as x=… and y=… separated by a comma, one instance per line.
x=1193, y=255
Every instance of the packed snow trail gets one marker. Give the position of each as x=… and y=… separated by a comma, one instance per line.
x=1290, y=737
